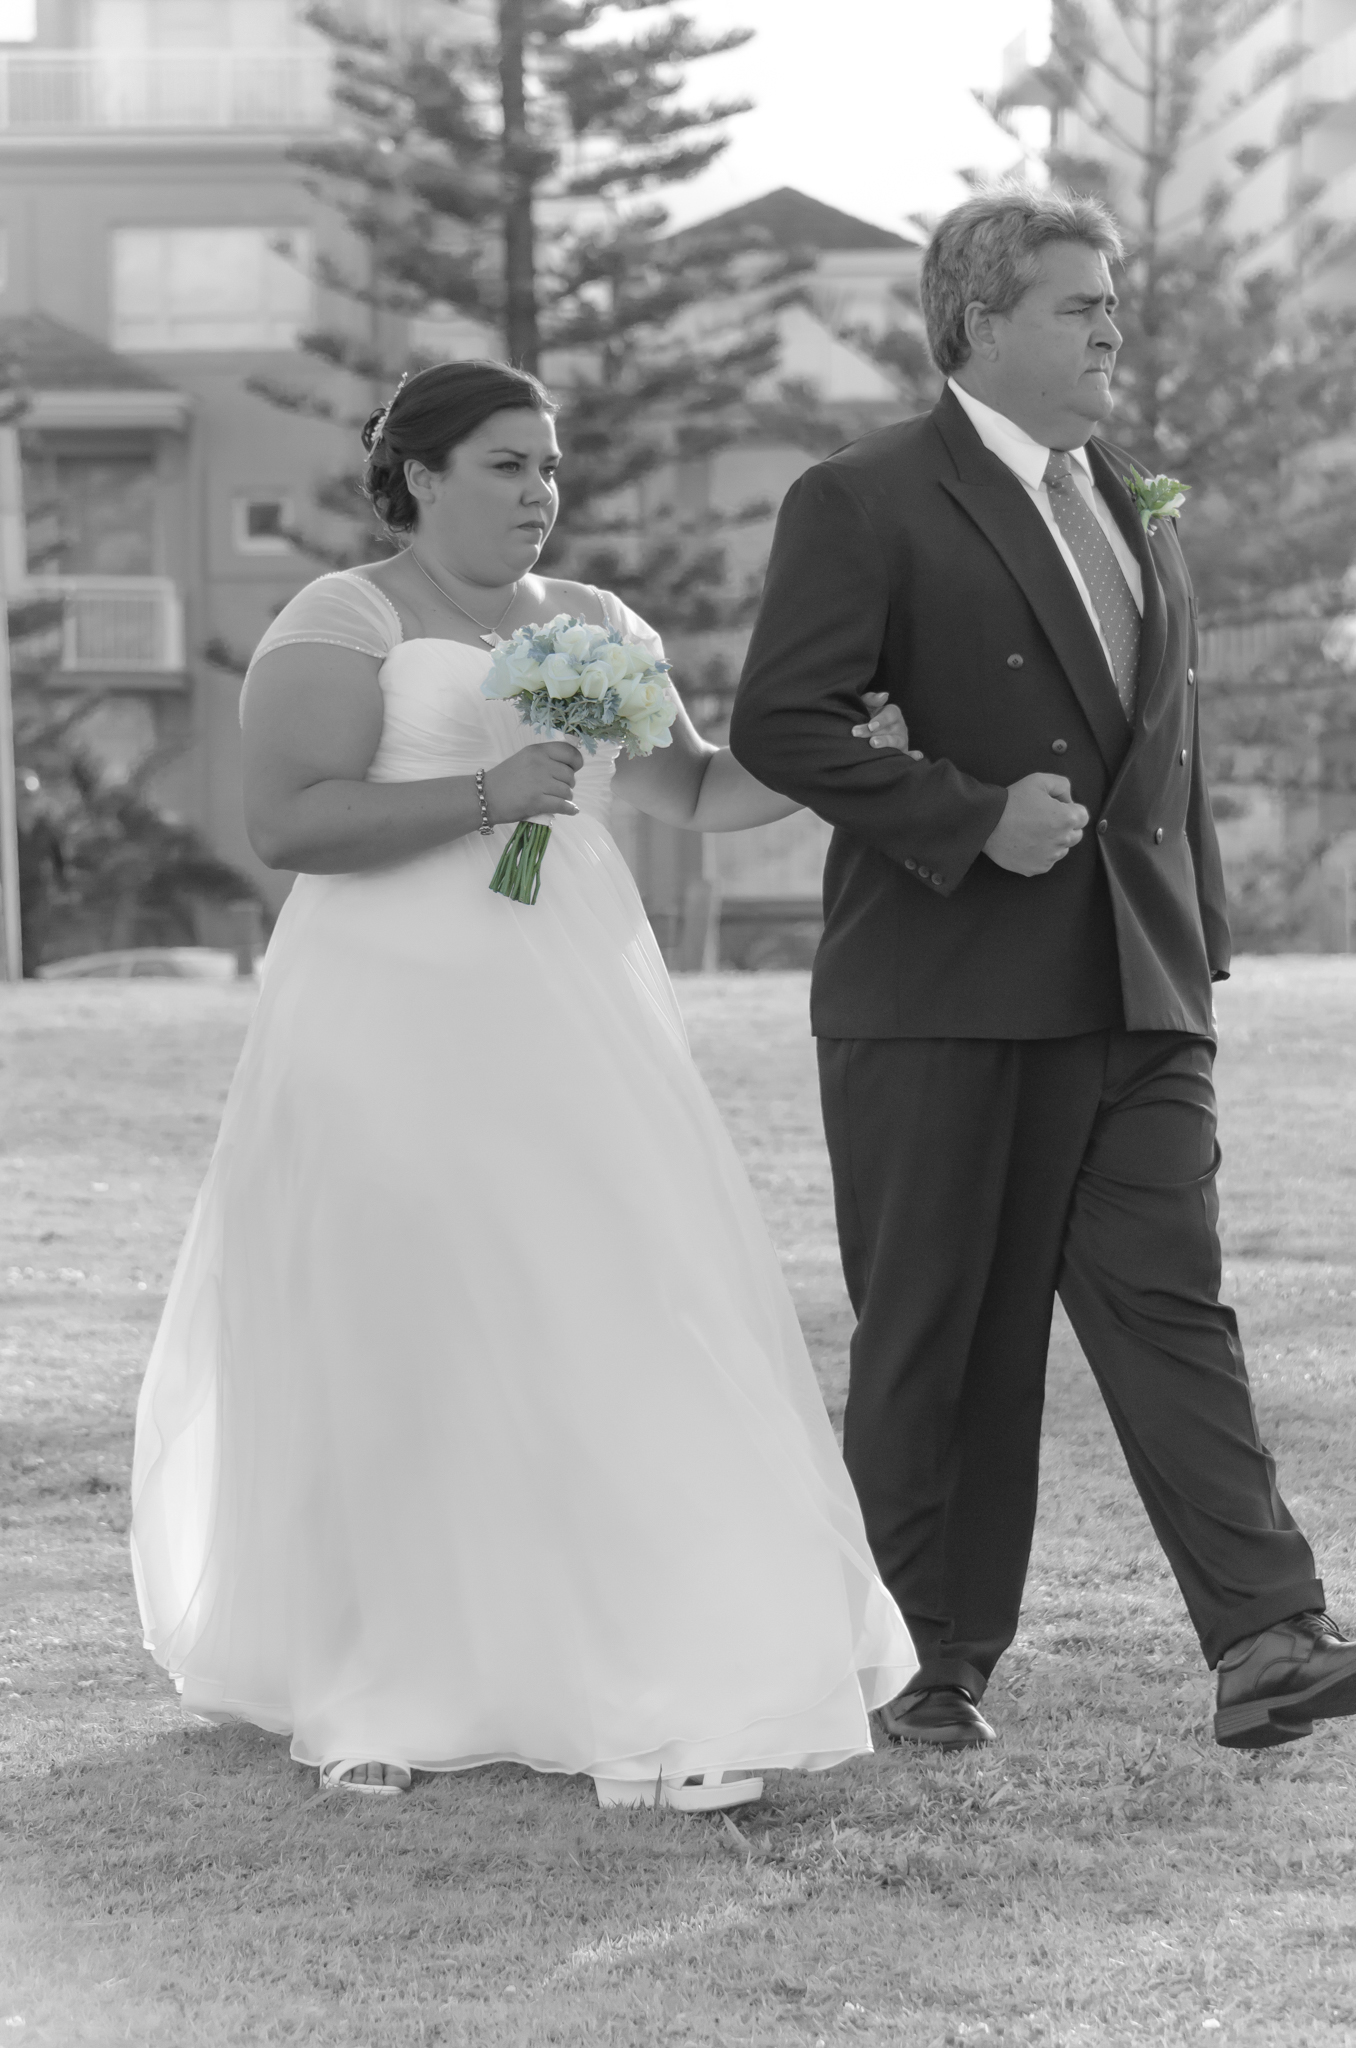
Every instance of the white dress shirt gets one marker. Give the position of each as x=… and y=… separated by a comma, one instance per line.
x=1027, y=459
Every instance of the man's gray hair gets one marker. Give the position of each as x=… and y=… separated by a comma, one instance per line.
x=986, y=250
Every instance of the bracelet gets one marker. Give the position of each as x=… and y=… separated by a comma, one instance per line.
x=485, y=825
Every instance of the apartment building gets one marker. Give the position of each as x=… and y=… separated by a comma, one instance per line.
x=156, y=250
x=157, y=253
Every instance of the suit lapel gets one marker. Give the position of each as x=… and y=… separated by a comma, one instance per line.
x=991, y=496
x=1153, y=639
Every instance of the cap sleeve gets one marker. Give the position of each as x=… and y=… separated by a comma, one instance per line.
x=338, y=610
x=630, y=624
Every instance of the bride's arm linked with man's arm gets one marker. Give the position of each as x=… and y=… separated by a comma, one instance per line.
x=311, y=722
x=703, y=788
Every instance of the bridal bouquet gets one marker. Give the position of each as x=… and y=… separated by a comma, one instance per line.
x=577, y=682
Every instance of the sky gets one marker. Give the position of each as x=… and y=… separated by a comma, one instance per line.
x=863, y=103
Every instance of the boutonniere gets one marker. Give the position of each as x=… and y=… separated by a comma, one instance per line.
x=1156, y=497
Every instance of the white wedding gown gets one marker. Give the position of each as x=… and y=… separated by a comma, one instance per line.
x=479, y=1425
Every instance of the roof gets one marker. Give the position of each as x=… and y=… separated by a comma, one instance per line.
x=795, y=221
x=47, y=355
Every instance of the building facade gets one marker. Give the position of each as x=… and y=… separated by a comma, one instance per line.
x=157, y=250
x=158, y=253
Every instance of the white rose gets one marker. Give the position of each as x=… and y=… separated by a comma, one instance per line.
x=642, y=693
x=560, y=676
x=613, y=657
x=639, y=660
x=501, y=681
x=513, y=669
x=653, y=731
x=649, y=710
x=577, y=642
x=595, y=681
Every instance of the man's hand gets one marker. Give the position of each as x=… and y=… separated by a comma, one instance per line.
x=1039, y=826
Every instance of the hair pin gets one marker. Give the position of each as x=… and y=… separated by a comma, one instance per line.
x=385, y=412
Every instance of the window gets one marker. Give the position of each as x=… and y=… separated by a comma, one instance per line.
x=18, y=21
x=182, y=24
x=91, y=514
x=187, y=24
x=260, y=526
x=210, y=288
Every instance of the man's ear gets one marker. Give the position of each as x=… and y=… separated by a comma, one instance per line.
x=979, y=331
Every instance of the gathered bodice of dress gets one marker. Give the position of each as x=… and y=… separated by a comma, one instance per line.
x=437, y=722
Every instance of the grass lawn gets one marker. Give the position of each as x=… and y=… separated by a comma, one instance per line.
x=1104, y=1874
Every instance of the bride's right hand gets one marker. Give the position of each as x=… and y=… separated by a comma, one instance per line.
x=534, y=783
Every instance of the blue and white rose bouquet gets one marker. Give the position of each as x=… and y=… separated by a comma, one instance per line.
x=573, y=681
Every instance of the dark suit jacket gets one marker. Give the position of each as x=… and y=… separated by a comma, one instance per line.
x=914, y=562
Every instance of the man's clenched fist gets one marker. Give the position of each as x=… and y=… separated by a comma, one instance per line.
x=1038, y=827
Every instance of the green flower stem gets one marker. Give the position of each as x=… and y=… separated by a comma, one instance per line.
x=518, y=875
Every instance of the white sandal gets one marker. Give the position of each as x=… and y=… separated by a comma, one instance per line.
x=334, y=1777
x=703, y=1792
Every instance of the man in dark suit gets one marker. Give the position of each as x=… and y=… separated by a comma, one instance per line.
x=1012, y=997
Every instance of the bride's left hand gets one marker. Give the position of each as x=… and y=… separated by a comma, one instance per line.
x=886, y=727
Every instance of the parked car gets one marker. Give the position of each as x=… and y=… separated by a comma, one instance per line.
x=155, y=963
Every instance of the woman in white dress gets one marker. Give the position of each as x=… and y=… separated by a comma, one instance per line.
x=479, y=1425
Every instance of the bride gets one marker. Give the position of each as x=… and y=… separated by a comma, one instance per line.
x=479, y=1426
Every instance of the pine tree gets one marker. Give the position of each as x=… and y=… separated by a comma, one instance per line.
x=502, y=163
x=1236, y=374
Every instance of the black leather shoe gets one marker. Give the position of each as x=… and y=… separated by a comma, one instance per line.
x=942, y=1714
x=1272, y=1687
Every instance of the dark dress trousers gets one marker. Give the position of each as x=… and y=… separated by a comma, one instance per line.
x=1015, y=1070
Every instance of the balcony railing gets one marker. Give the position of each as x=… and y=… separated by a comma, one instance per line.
x=116, y=625
x=67, y=92
x=1231, y=653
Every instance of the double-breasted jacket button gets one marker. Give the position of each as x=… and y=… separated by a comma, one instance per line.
x=937, y=881
x=1182, y=757
x=923, y=875
x=910, y=863
x=1059, y=746
x=1191, y=675
x=1158, y=836
x=1101, y=827
x=1015, y=661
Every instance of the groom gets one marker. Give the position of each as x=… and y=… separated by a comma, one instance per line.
x=1012, y=996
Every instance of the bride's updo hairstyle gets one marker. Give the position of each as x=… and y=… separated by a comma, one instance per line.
x=430, y=413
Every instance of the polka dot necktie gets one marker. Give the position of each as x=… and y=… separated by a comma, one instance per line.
x=1097, y=564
